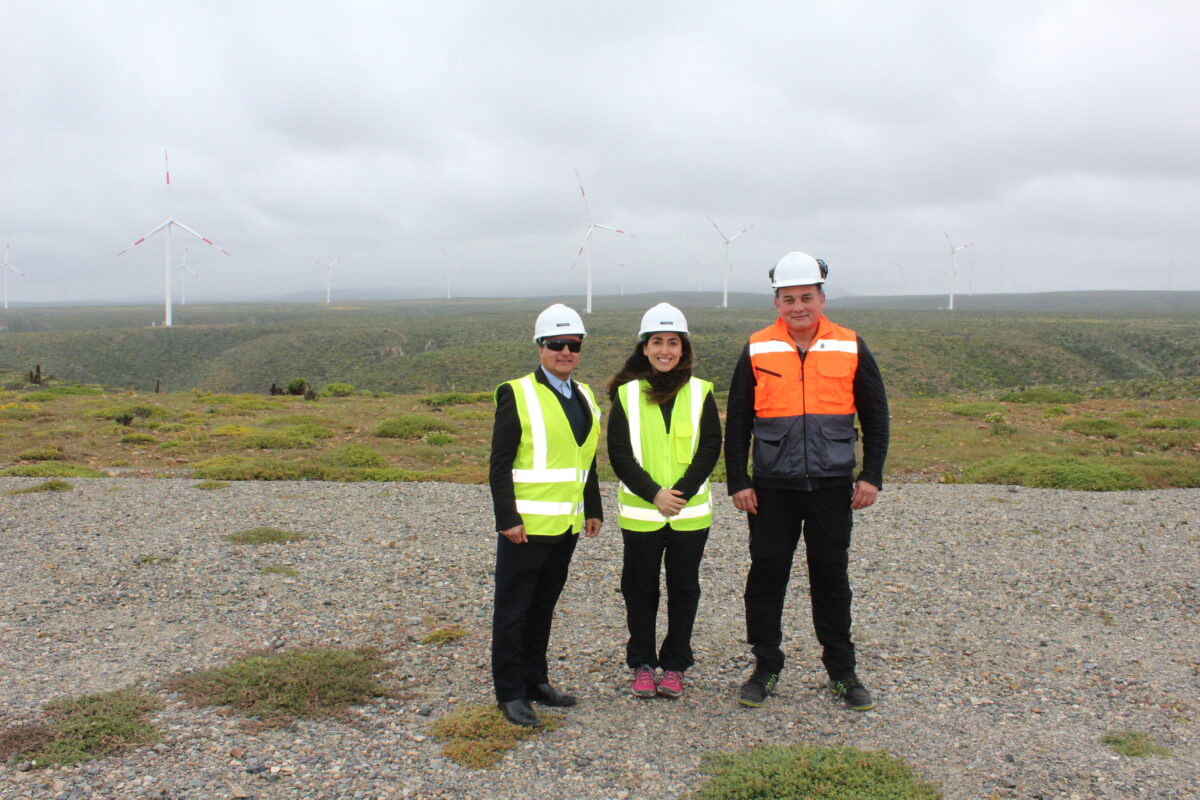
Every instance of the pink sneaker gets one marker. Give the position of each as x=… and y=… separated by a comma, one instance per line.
x=643, y=682
x=671, y=684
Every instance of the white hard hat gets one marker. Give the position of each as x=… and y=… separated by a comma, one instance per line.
x=662, y=318
x=557, y=320
x=798, y=269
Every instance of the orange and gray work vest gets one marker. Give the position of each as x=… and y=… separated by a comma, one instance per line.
x=804, y=408
x=550, y=468
x=665, y=455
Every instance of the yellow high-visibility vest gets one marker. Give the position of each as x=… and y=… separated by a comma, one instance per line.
x=665, y=455
x=550, y=469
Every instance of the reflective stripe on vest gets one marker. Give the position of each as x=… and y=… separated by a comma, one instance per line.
x=550, y=469
x=634, y=513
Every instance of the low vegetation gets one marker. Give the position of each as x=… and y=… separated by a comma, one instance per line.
x=209, y=486
x=1135, y=744
x=280, y=687
x=261, y=536
x=807, y=772
x=478, y=736
x=445, y=635
x=52, y=485
x=82, y=728
x=51, y=469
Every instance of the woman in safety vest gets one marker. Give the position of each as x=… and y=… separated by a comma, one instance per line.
x=664, y=438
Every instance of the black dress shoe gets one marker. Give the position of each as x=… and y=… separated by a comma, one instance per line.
x=519, y=712
x=547, y=695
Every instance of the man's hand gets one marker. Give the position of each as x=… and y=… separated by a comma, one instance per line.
x=669, y=502
x=746, y=500
x=591, y=527
x=864, y=495
x=516, y=535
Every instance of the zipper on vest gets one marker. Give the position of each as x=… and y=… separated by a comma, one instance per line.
x=769, y=372
x=804, y=409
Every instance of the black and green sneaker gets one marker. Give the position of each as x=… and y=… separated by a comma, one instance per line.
x=755, y=691
x=851, y=691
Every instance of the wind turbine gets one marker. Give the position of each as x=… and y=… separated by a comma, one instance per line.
x=449, y=268
x=727, y=240
x=903, y=280
x=623, y=267
x=954, y=251
x=170, y=222
x=183, y=265
x=592, y=225
x=5, y=267
x=328, y=275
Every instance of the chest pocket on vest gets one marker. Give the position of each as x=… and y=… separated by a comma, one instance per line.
x=681, y=440
x=833, y=370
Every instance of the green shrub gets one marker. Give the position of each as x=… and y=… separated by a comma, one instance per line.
x=1175, y=423
x=411, y=426
x=130, y=412
x=1055, y=411
x=393, y=474
x=138, y=438
x=976, y=409
x=284, y=439
x=209, y=486
x=84, y=728
x=356, y=455
x=241, y=468
x=52, y=392
x=438, y=438
x=260, y=536
x=1041, y=394
x=1104, y=428
x=21, y=411
x=337, y=390
x=280, y=569
x=444, y=399
x=297, y=386
x=50, y=452
x=1135, y=744
x=444, y=635
x=477, y=736
x=810, y=772
x=52, y=485
x=51, y=469
x=1041, y=471
x=281, y=686
x=308, y=430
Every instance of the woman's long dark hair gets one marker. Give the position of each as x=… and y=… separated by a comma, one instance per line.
x=662, y=385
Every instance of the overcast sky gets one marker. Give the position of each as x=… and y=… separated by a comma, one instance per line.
x=1062, y=139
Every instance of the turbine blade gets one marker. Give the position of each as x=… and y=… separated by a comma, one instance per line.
x=739, y=233
x=583, y=194
x=204, y=239
x=144, y=238
x=723, y=237
x=586, y=236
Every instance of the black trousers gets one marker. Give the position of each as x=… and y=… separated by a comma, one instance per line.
x=824, y=518
x=529, y=579
x=644, y=555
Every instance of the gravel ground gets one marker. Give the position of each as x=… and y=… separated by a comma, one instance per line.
x=1003, y=632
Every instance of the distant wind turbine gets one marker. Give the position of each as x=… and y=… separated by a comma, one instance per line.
x=622, y=266
x=954, y=251
x=592, y=225
x=903, y=280
x=183, y=266
x=167, y=225
x=5, y=267
x=449, y=268
x=728, y=263
x=328, y=275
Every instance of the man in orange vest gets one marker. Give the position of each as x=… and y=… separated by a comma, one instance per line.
x=796, y=389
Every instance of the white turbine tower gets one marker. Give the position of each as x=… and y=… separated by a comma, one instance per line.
x=954, y=251
x=622, y=265
x=592, y=225
x=170, y=222
x=449, y=268
x=184, y=269
x=729, y=264
x=5, y=267
x=328, y=275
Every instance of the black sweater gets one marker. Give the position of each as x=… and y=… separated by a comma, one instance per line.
x=870, y=400
x=506, y=438
x=629, y=472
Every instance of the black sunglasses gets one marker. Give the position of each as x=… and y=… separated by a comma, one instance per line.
x=558, y=344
